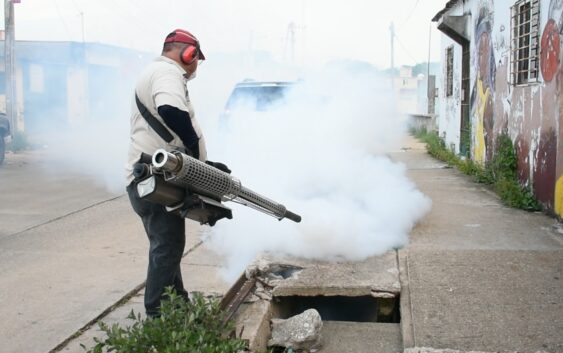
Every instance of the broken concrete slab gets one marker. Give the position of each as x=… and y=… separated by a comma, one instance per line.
x=487, y=300
x=360, y=337
x=285, y=277
x=300, y=332
x=253, y=324
x=376, y=276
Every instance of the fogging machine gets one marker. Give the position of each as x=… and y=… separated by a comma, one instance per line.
x=197, y=190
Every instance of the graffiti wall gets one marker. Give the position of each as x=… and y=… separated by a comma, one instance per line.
x=531, y=113
x=483, y=85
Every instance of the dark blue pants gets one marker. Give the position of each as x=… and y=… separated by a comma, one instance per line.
x=167, y=238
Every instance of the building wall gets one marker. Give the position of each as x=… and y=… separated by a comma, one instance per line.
x=406, y=91
x=449, y=122
x=59, y=84
x=530, y=114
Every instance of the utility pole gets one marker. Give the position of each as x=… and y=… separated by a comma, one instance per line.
x=303, y=33
x=392, y=31
x=429, y=90
x=290, y=41
x=82, y=23
x=10, y=64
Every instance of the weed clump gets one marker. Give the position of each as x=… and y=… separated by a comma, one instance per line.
x=195, y=326
x=499, y=172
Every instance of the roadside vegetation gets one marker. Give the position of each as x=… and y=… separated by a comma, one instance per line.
x=194, y=326
x=499, y=173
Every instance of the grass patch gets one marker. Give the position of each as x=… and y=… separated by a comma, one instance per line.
x=194, y=326
x=499, y=172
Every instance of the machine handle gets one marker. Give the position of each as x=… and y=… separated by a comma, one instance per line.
x=145, y=158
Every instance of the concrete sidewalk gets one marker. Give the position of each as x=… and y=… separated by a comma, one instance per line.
x=200, y=269
x=476, y=276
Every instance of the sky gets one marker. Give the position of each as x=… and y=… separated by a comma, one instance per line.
x=323, y=30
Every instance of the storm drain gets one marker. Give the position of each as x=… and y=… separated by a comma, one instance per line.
x=340, y=308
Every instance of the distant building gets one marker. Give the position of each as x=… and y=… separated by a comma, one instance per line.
x=406, y=91
x=502, y=74
x=60, y=83
x=415, y=96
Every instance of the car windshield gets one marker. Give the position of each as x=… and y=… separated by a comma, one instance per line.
x=256, y=97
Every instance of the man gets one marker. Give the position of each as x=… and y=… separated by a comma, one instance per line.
x=162, y=96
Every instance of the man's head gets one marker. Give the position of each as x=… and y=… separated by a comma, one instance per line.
x=183, y=47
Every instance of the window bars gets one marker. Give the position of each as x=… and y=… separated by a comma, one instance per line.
x=524, y=25
x=449, y=71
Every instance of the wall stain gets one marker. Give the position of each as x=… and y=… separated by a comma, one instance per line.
x=544, y=171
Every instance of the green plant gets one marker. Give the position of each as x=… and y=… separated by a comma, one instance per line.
x=194, y=326
x=465, y=142
x=504, y=162
x=514, y=195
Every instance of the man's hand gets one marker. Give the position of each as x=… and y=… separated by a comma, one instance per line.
x=221, y=166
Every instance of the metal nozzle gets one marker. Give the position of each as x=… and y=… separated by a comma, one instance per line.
x=166, y=161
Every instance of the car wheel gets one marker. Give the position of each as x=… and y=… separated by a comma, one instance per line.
x=2, y=149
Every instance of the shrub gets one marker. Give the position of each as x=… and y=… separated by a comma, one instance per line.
x=504, y=162
x=195, y=326
x=514, y=195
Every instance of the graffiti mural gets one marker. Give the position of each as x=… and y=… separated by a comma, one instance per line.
x=553, y=28
x=550, y=47
x=544, y=173
x=522, y=153
x=531, y=113
x=482, y=95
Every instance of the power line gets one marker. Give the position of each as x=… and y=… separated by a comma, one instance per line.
x=405, y=49
x=77, y=7
x=81, y=14
x=62, y=20
x=411, y=13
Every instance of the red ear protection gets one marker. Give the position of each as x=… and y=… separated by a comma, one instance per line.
x=189, y=54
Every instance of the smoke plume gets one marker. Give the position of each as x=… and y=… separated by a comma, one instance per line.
x=321, y=153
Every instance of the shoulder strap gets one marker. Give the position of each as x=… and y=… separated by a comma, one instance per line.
x=156, y=125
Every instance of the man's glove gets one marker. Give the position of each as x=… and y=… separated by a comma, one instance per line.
x=222, y=167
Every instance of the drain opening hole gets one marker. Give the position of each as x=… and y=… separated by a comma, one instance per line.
x=341, y=308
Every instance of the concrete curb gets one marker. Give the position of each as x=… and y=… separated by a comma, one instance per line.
x=407, y=327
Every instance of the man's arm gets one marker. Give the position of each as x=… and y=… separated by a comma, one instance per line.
x=180, y=122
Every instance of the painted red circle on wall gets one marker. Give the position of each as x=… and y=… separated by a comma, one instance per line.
x=549, y=58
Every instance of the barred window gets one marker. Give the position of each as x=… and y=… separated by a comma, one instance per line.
x=525, y=21
x=449, y=71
